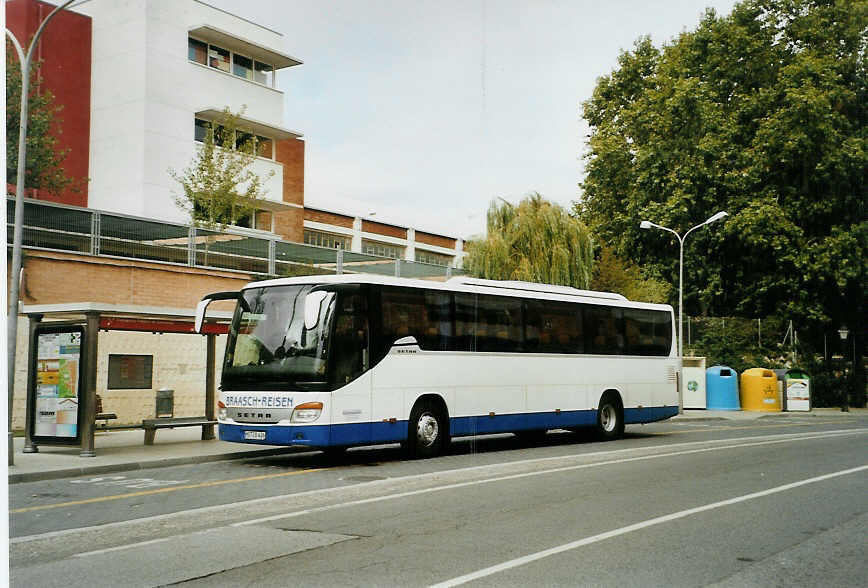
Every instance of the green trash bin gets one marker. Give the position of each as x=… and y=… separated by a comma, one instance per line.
x=797, y=391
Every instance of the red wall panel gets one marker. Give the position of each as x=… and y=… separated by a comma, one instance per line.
x=65, y=51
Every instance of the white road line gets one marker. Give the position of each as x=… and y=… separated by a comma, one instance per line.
x=121, y=547
x=219, y=508
x=635, y=527
x=517, y=477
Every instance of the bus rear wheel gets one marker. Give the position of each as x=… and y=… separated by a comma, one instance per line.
x=427, y=431
x=610, y=418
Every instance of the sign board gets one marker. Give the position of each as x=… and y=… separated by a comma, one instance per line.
x=56, y=405
x=130, y=372
x=798, y=395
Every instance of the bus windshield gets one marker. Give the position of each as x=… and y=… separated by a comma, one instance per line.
x=279, y=338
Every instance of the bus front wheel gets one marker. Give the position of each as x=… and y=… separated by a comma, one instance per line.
x=610, y=417
x=426, y=435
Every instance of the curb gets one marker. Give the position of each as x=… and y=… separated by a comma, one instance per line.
x=142, y=465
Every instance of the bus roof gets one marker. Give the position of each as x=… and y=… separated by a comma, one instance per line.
x=472, y=285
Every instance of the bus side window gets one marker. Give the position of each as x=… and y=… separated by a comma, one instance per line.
x=350, y=344
x=465, y=323
x=438, y=326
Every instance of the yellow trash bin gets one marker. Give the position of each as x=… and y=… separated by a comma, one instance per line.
x=759, y=390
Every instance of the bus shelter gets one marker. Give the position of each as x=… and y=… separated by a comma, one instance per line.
x=63, y=360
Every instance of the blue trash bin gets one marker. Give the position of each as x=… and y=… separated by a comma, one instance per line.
x=721, y=388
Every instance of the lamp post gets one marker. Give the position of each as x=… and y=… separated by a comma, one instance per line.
x=17, y=238
x=646, y=224
x=843, y=332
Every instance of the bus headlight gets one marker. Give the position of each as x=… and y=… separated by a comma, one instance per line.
x=221, y=411
x=307, y=412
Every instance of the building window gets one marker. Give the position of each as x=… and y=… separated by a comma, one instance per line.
x=264, y=147
x=201, y=129
x=218, y=58
x=244, y=142
x=321, y=239
x=382, y=250
x=242, y=66
x=230, y=62
x=264, y=74
x=197, y=51
x=433, y=258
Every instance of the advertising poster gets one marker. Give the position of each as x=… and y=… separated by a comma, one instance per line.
x=58, y=383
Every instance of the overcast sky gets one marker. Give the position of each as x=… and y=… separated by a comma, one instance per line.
x=425, y=111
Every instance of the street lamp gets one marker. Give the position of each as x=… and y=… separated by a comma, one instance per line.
x=24, y=59
x=646, y=224
x=843, y=332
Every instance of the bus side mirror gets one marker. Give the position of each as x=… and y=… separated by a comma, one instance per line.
x=206, y=300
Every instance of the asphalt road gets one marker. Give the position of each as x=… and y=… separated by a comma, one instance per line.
x=770, y=502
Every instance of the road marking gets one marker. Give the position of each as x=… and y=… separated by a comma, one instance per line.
x=233, y=506
x=121, y=547
x=457, y=485
x=514, y=563
x=162, y=490
x=710, y=428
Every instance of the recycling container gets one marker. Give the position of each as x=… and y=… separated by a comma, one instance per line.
x=721, y=388
x=759, y=390
x=797, y=391
x=693, y=382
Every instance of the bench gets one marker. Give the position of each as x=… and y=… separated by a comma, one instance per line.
x=105, y=417
x=151, y=425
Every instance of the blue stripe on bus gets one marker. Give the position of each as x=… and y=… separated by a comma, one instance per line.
x=384, y=432
x=649, y=414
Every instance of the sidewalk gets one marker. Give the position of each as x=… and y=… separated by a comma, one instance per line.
x=124, y=450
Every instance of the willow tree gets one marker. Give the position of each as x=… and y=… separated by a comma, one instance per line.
x=535, y=241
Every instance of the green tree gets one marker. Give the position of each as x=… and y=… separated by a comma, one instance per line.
x=44, y=167
x=761, y=113
x=613, y=274
x=220, y=187
x=535, y=241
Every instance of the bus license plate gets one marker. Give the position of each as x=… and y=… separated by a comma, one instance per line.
x=254, y=435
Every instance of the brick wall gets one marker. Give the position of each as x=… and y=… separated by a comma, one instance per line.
x=53, y=278
x=328, y=218
x=289, y=224
x=290, y=152
x=382, y=229
x=435, y=240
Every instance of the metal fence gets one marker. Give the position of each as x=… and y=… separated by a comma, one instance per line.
x=63, y=228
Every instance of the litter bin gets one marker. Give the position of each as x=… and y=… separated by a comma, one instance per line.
x=693, y=382
x=797, y=391
x=759, y=390
x=165, y=403
x=721, y=388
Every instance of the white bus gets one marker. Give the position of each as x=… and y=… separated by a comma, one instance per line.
x=339, y=361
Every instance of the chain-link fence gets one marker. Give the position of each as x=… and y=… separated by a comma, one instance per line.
x=63, y=228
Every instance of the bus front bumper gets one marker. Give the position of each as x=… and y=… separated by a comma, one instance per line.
x=308, y=436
